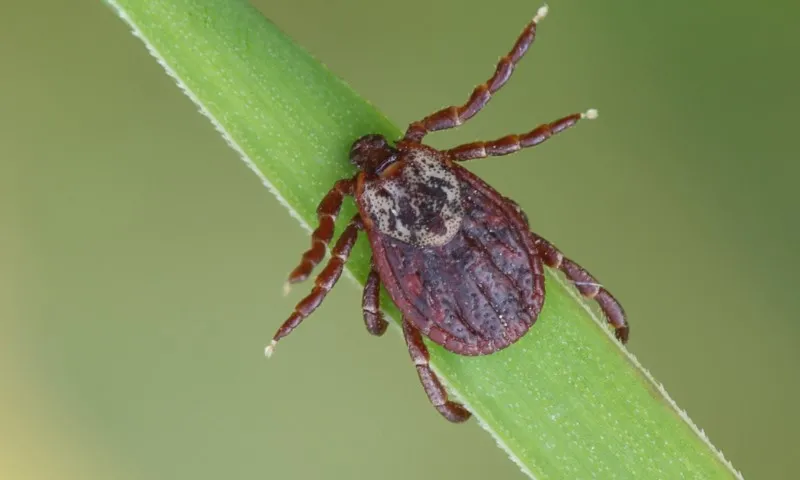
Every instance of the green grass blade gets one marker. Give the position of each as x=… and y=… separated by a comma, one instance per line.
x=564, y=402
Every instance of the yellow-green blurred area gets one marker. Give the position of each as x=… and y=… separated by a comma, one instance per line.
x=141, y=262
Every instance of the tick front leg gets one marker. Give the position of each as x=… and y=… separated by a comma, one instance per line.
x=587, y=285
x=371, y=304
x=514, y=143
x=327, y=211
x=454, y=116
x=323, y=284
x=452, y=411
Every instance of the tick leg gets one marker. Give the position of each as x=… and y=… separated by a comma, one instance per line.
x=587, y=285
x=454, y=116
x=323, y=284
x=513, y=143
x=327, y=211
x=452, y=411
x=371, y=305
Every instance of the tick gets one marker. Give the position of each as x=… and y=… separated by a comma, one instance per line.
x=456, y=257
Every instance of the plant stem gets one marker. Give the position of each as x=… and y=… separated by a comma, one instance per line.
x=566, y=401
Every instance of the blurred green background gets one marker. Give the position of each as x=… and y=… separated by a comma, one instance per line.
x=141, y=262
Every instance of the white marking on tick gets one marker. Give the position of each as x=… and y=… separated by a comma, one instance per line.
x=421, y=205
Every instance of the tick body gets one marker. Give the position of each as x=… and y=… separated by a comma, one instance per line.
x=456, y=257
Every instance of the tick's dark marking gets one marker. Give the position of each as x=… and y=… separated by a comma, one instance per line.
x=455, y=256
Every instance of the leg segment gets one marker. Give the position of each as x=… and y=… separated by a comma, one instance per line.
x=327, y=211
x=371, y=305
x=587, y=285
x=453, y=116
x=513, y=143
x=436, y=393
x=323, y=284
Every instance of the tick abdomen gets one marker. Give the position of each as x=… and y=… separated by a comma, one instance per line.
x=478, y=292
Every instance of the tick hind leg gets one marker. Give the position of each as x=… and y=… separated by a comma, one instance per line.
x=371, y=304
x=456, y=115
x=452, y=411
x=323, y=284
x=327, y=211
x=587, y=285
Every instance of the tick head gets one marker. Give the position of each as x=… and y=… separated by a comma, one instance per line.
x=372, y=153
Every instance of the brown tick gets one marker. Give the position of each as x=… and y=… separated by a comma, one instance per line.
x=456, y=257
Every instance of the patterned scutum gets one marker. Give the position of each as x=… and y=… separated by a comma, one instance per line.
x=419, y=205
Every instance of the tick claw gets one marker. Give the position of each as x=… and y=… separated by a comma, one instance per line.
x=590, y=114
x=287, y=287
x=270, y=349
x=541, y=13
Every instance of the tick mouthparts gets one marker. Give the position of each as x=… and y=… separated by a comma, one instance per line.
x=270, y=349
x=590, y=114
